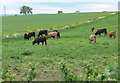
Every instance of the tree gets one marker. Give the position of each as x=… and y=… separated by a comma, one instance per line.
x=77, y=12
x=25, y=10
x=60, y=12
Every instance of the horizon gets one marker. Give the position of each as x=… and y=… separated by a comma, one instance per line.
x=49, y=13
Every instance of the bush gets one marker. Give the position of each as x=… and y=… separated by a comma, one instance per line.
x=101, y=70
x=26, y=53
x=67, y=74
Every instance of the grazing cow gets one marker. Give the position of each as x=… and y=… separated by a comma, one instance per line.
x=101, y=31
x=112, y=33
x=31, y=34
x=26, y=36
x=42, y=32
x=93, y=28
x=92, y=38
x=40, y=39
x=52, y=34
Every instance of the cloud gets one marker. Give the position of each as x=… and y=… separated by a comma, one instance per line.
x=66, y=0
x=47, y=10
x=100, y=7
x=10, y=12
x=4, y=2
x=13, y=6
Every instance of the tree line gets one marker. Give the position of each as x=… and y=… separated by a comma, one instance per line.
x=25, y=10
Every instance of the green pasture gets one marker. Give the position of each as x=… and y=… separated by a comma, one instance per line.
x=17, y=24
x=72, y=48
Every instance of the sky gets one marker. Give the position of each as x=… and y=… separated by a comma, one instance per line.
x=52, y=6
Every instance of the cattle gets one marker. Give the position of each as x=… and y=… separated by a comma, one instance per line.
x=101, y=31
x=40, y=39
x=42, y=32
x=29, y=35
x=112, y=34
x=92, y=38
x=26, y=36
x=93, y=28
x=52, y=34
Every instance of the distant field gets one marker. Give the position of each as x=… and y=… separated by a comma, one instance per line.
x=13, y=24
x=73, y=48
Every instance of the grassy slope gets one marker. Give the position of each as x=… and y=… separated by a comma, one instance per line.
x=12, y=24
x=72, y=47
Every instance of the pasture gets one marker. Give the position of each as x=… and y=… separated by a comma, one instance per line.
x=73, y=48
x=17, y=24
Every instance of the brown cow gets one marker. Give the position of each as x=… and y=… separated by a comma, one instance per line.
x=93, y=28
x=52, y=34
x=92, y=38
x=112, y=33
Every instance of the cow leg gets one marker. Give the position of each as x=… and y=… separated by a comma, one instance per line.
x=114, y=36
x=53, y=36
x=111, y=36
x=45, y=42
x=95, y=40
x=105, y=32
x=42, y=43
x=89, y=41
x=57, y=36
x=38, y=43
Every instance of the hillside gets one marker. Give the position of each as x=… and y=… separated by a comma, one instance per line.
x=73, y=48
x=17, y=24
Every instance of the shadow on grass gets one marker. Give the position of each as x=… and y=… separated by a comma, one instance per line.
x=26, y=53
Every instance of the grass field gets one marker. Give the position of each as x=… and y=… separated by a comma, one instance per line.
x=73, y=48
x=13, y=24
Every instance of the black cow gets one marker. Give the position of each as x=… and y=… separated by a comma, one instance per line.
x=101, y=31
x=40, y=39
x=26, y=36
x=31, y=34
x=42, y=32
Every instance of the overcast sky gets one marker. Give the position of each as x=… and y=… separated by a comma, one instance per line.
x=52, y=6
